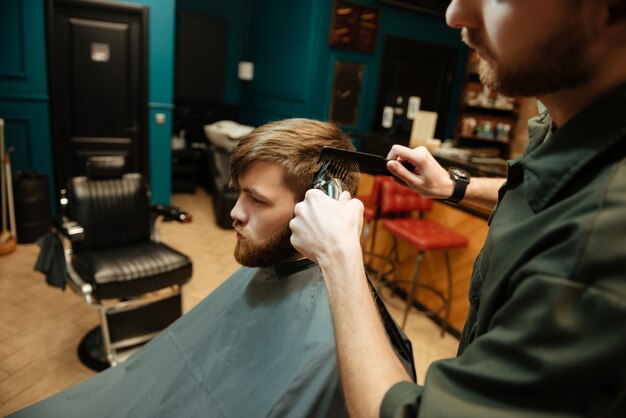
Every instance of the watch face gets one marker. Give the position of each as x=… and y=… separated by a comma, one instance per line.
x=459, y=174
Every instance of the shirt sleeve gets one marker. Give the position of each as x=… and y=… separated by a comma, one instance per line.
x=554, y=348
x=402, y=400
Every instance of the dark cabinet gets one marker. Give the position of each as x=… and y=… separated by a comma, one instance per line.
x=185, y=170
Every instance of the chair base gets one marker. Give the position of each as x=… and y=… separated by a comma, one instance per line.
x=126, y=326
x=92, y=353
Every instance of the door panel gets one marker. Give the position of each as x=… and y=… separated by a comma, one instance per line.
x=101, y=107
x=98, y=71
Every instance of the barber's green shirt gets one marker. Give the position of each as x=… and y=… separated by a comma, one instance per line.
x=546, y=331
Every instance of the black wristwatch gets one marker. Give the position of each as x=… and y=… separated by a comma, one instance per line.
x=461, y=179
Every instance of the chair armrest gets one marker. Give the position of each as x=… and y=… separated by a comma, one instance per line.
x=68, y=228
x=171, y=213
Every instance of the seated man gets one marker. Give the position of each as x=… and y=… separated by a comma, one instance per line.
x=262, y=344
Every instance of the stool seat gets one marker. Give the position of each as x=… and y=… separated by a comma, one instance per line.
x=425, y=234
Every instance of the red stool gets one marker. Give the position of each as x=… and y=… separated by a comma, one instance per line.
x=421, y=234
x=371, y=215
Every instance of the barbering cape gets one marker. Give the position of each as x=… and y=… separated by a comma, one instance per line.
x=261, y=345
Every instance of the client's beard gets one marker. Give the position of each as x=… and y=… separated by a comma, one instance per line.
x=264, y=254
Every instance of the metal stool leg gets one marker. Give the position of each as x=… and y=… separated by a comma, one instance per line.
x=371, y=254
x=409, y=297
x=393, y=260
x=368, y=243
x=387, y=260
x=448, y=303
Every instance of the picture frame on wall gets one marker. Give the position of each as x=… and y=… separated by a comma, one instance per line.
x=354, y=26
x=346, y=93
x=431, y=7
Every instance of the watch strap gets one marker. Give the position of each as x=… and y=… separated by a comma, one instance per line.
x=460, y=187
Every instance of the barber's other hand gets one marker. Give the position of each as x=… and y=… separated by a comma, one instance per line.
x=326, y=230
x=428, y=178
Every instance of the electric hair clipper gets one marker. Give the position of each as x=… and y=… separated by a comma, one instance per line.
x=325, y=182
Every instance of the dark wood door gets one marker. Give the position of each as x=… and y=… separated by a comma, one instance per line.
x=201, y=43
x=412, y=68
x=98, y=85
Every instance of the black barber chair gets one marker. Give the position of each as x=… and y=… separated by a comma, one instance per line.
x=115, y=261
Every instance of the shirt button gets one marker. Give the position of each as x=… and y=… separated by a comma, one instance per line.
x=475, y=301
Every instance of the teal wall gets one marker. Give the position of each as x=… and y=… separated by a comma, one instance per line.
x=23, y=86
x=294, y=64
x=161, y=94
x=24, y=101
x=288, y=42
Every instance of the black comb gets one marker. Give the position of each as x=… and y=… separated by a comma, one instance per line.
x=341, y=162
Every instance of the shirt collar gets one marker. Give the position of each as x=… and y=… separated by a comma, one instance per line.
x=287, y=268
x=548, y=166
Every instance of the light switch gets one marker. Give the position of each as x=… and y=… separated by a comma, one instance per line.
x=160, y=118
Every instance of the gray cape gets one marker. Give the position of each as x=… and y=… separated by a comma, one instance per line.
x=261, y=345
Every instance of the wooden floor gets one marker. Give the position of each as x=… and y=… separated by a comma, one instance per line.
x=41, y=326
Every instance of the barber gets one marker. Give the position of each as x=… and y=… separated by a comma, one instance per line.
x=546, y=330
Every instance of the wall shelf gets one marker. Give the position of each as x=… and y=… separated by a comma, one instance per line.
x=486, y=119
x=489, y=110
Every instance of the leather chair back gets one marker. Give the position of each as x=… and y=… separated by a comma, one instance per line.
x=113, y=212
x=395, y=198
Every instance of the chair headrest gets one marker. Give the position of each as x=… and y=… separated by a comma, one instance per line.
x=106, y=167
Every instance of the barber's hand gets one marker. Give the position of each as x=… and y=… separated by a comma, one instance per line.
x=325, y=230
x=428, y=179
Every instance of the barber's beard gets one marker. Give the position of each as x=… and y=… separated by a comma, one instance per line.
x=266, y=253
x=558, y=64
